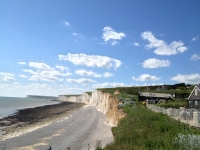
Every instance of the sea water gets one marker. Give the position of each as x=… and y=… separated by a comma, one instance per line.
x=10, y=105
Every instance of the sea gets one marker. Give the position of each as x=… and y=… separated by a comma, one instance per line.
x=10, y=105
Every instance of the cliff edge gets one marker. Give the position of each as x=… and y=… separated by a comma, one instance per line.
x=104, y=102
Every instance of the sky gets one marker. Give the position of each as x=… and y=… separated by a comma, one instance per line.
x=70, y=47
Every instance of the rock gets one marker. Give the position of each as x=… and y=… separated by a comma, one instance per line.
x=104, y=102
x=117, y=92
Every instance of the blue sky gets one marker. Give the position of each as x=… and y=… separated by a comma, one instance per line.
x=69, y=46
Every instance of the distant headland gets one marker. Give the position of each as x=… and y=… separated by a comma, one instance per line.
x=42, y=97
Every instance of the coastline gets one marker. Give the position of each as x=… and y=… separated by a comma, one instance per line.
x=27, y=120
x=79, y=130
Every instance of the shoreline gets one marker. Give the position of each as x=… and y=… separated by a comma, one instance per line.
x=29, y=119
x=81, y=129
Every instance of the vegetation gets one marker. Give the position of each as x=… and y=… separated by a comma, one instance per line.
x=181, y=90
x=144, y=129
x=89, y=93
x=72, y=95
x=173, y=104
x=125, y=101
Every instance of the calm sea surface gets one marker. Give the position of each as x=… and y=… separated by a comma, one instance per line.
x=9, y=105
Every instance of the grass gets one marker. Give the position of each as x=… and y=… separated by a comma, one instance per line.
x=143, y=129
x=180, y=93
x=89, y=93
x=174, y=104
x=73, y=95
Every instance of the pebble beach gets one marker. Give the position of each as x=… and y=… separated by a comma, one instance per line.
x=62, y=125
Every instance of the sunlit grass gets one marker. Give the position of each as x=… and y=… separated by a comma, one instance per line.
x=144, y=129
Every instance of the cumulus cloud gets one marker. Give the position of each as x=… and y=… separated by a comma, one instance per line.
x=195, y=39
x=107, y=74
x=83, y=81
x=44, y=72
x=66, y=23
x=62, y=68
x=23, y=76
x=195, y=57
x=40, y=66
x=146, y=77
x=189, y=78
x=46, y=75
x=161, y=47
x=155, y=63
x=136, y=44
x=22, y=63
x=4, y=76
x=84, y=72
x=91, y=60
x=107, y=85
x=110, y=34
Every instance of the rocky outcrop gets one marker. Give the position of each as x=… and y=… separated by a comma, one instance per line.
x=104, y=102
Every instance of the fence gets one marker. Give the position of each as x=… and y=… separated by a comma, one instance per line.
x=188, y=116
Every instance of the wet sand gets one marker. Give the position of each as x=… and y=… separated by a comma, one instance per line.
x=29, y=119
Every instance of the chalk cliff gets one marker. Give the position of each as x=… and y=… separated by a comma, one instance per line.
x=104, y=102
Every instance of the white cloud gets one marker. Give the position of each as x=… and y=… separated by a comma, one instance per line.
x=195, y=38
x=66, y=23
x=136, y=44
x=4, y=76
x=163, y=48
x=23, y=76
x=155, y=63
x=83, y=72
x=146, y=77
x=45, y=73
x=189, y=79
x=22, y=63
x=91, y=60
x=109, y=34
x=108, y=85
x=40, y=66
x=83, y=81
x=195, y=57
x=107, y=74
x=78, y=35
x=62, y=68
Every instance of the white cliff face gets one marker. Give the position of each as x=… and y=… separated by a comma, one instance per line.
x=63, y=98
x=104, y=102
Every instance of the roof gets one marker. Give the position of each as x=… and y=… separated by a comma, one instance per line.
x=192, y=96
x=163, y=95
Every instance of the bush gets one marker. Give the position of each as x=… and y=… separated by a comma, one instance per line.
x=188, y=142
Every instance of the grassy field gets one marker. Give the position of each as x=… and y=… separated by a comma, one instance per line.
x=143, y=129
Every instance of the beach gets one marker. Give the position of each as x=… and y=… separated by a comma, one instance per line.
x=60, y=126
x=33, y=117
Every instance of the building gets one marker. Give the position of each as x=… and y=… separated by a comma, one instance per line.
x=193, y=100
x=142, y=96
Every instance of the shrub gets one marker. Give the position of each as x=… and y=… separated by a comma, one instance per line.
x=188, y=142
